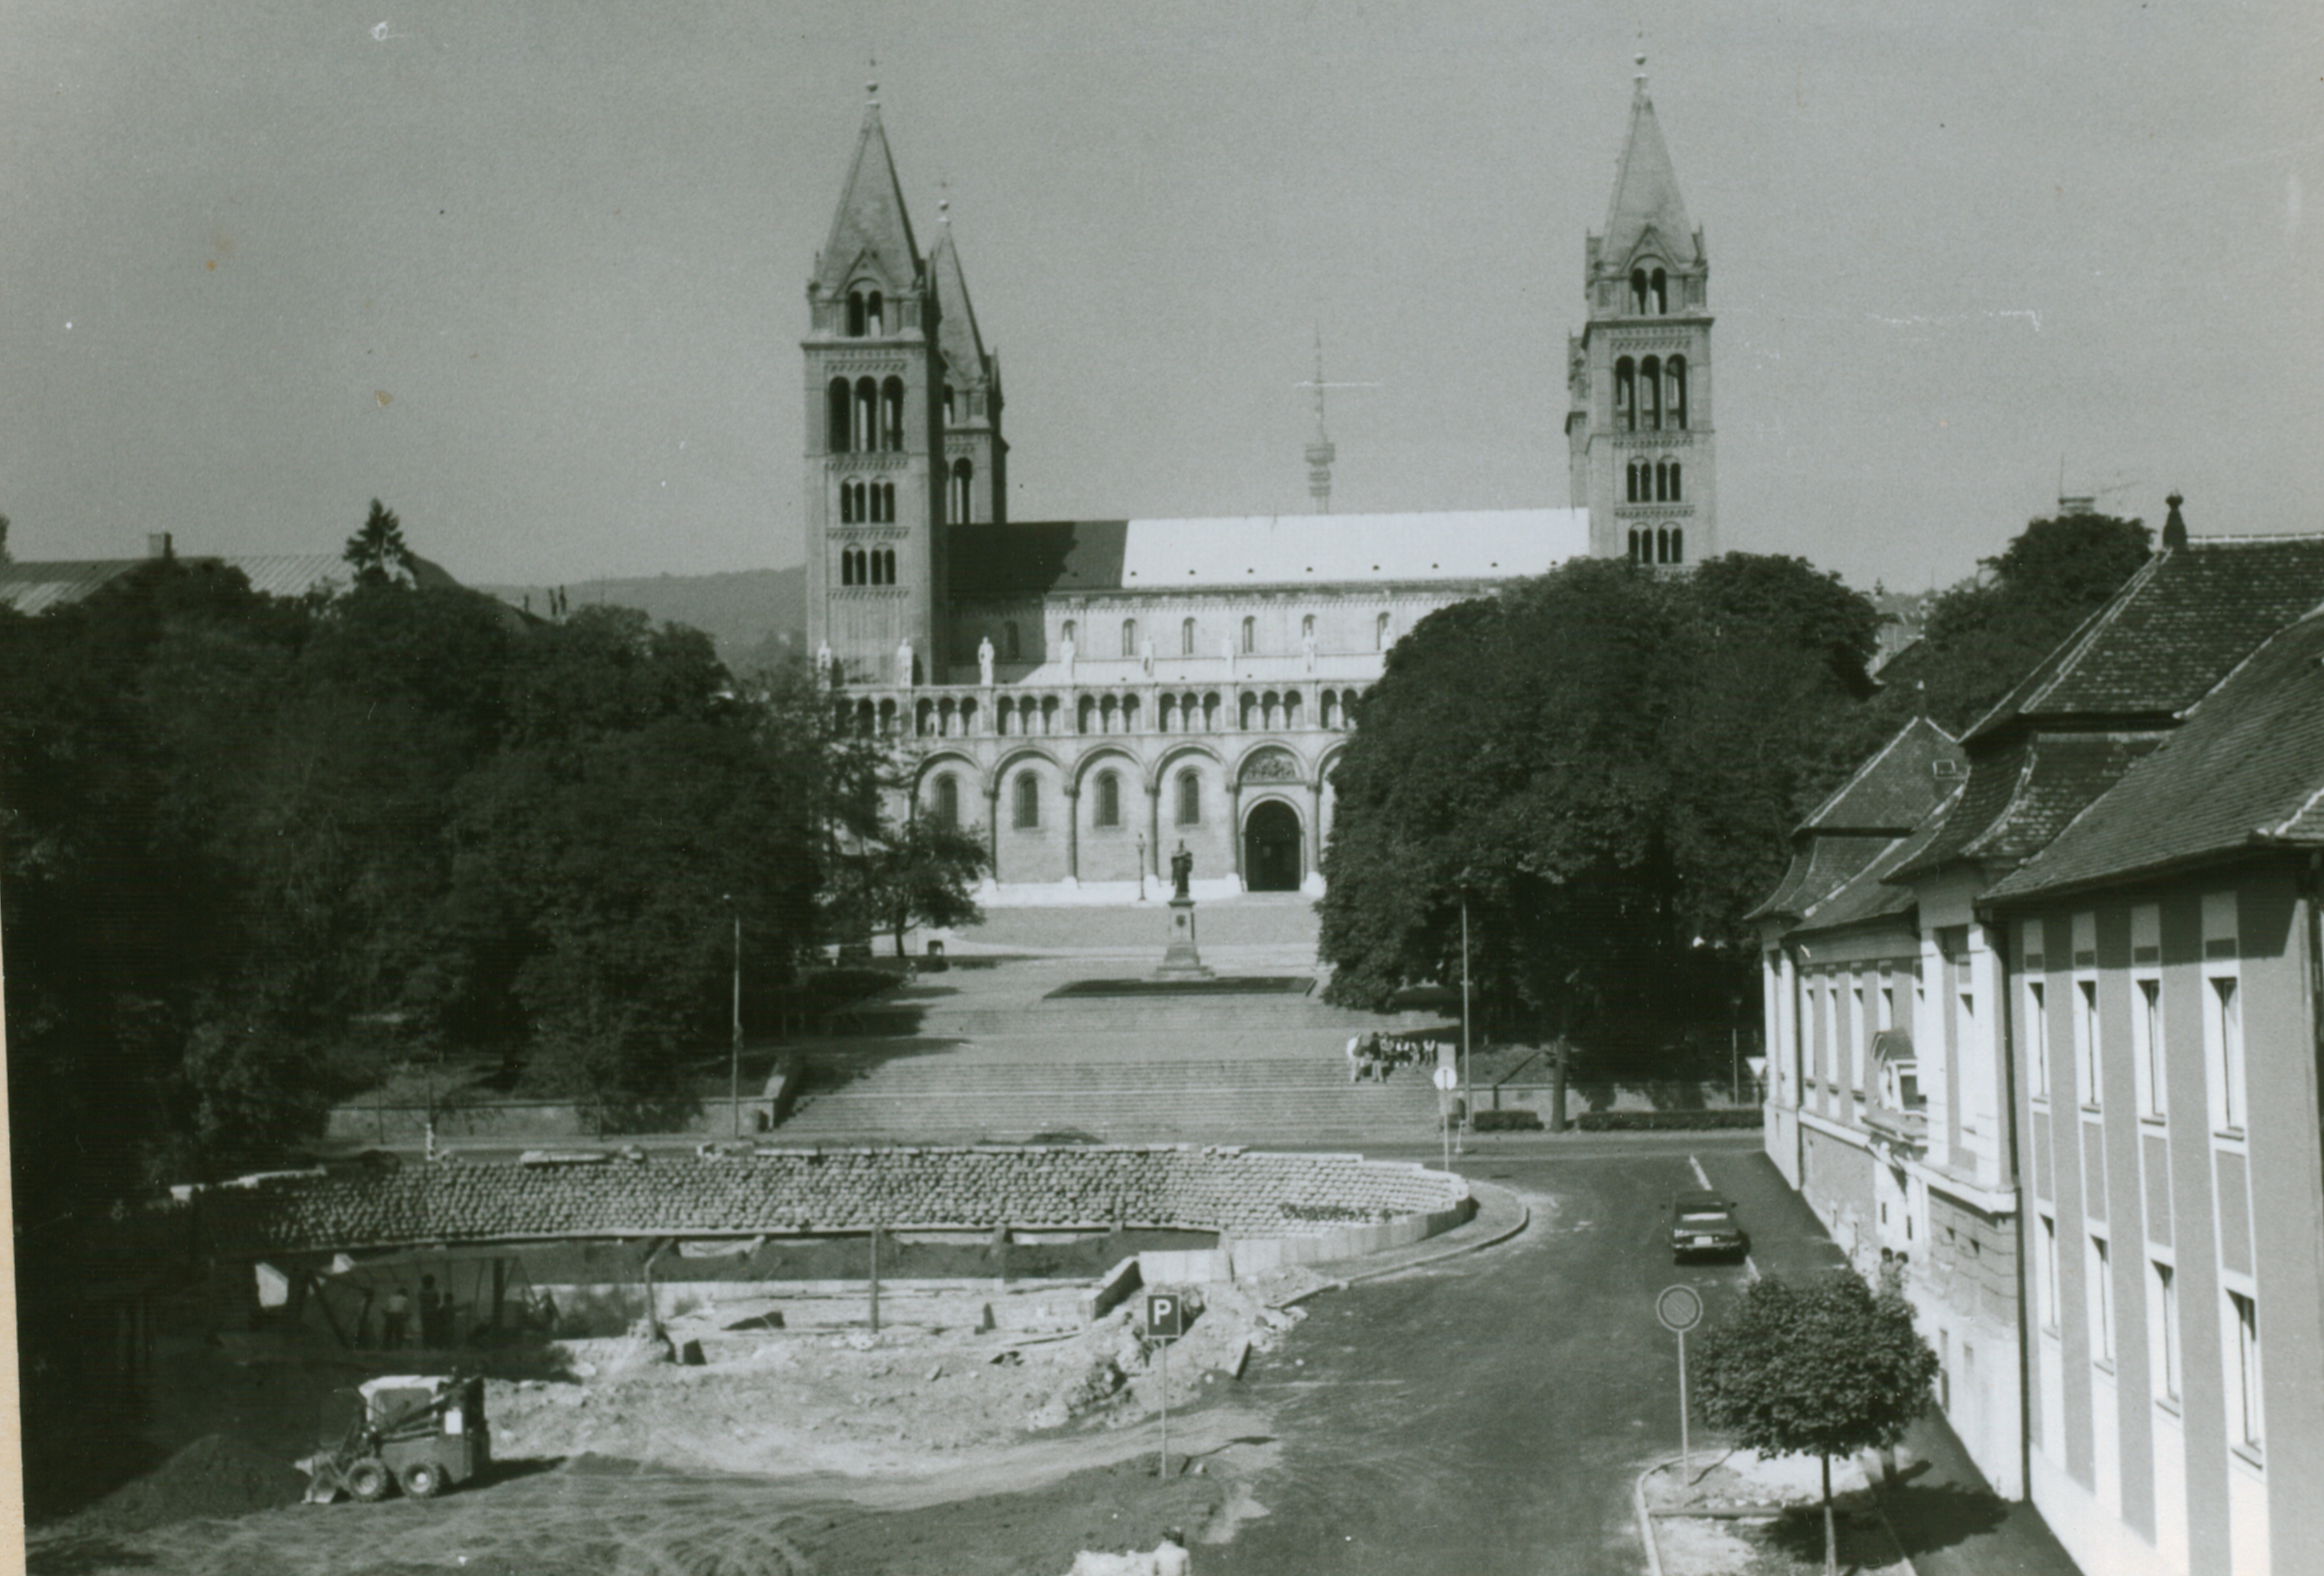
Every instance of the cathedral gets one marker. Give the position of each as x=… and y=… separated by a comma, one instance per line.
x=1088, y=695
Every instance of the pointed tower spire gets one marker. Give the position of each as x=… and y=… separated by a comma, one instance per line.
x=871, y=232
x=1646, y=189
x=975, y=458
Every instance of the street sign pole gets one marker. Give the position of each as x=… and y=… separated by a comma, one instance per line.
x=1679, y=1309
x=1446, y=1080
x=1165, y=1320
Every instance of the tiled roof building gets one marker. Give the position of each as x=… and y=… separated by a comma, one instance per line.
x=2131, y=850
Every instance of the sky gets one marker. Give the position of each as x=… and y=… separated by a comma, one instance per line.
x=536, y=276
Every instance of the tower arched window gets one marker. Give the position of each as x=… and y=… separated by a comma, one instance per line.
x=946, y=808
x=963, y=477
x=1635, y=558
x=1678, y=545
x=847, y=566
x=867, y=414
x=1380, y=632
x=874, y=315
x=1250, y=636
x=1108, y=800
x=1307, y=627
x=1658, y=286
x=888, y=557
x=1190, y=799
x=1009, y=647
x=856, y=314
x=1634, y=488
x=948, y=405
x=834, y=417
x=1069, y=629
x=1186, y=636
x=1674, y=391
x=1637, y=292
x=847, y=504
x=1027, y=801
x=1129, y=637
x=1650, y=393
x=1675, y=492
x=891, y=415
x=1626, y=395
x=1662, y=544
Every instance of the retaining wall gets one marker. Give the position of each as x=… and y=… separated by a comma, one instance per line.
x=1254, y=1199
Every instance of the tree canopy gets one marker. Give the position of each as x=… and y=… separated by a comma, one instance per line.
x=1605, y=763
x=1983, y=636
x=1823, y=1370
x=378, y=551
x=251, y=847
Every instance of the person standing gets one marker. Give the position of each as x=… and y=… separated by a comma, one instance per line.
x=1170, y=1556
x=394, y=1314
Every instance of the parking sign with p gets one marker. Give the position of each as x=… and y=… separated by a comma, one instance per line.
x=1166, y=1316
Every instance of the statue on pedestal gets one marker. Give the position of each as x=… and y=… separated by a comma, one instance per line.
x=984, y=662
x=1182, y=871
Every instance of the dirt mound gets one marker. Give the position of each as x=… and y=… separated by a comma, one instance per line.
x=214, y=1476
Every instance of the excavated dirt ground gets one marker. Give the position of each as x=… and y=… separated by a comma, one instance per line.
x=784, y=1453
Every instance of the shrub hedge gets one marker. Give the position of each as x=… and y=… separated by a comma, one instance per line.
x=1517, y=1119
x=1667, y=1121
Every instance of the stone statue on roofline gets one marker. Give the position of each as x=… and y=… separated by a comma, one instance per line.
x=984, y=662
x=904, y=664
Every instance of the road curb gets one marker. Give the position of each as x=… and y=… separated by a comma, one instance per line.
x=1525, y=1218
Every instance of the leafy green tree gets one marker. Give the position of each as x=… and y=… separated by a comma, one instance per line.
x=378, y=552
x=920, y=873
x=1823, y=1370
x=5, y=559
x=1604, y=764
x=1984, y=636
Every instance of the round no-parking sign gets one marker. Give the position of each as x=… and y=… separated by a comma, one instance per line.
x=1679, y=1309
x=1446, y=1079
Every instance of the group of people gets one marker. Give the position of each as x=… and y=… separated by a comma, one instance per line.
x=434, y=1317
x=1375, y=1055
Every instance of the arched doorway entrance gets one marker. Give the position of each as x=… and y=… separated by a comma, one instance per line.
x=1270, y=848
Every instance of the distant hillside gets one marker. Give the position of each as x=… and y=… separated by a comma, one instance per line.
x=752, y=615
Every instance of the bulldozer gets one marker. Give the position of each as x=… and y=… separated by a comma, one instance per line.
x=419, y=1432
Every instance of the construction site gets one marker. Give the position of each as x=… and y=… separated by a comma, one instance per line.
x=922, y=1295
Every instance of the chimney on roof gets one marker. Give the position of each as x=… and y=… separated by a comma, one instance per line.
x=157, y=546
x=2174, y=528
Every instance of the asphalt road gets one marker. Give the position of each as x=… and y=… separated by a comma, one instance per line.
x=1489, y=1413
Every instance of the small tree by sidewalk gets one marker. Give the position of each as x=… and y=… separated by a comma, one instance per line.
x=1823, y=1370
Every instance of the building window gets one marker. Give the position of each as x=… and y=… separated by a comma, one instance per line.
x=1108, y=800
x=1380, y=632
x=1029, y=800
x=858, y=318
x=2101, y=1274
x=2162, y=1297
x=1069, y=629
x=1190, y=799
x=2038, y=1039
x=950, y=417
x=964, y=484
x=2146, y=1048
x=1637, y=292
x=1658, y=289
x=1674, y=397
x=1626, y=395
x=2048, y=1249
x=1129, y=637
x=1186, y=636
x=2223, y=1049
x=891, y=415
x=2086, y=1039
x=1650, y=393
x=2243, y=1312
x=834, y=417
x=1307, y=627
x=948, y=800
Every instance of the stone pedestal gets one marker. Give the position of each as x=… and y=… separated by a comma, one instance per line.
x=1181, y=960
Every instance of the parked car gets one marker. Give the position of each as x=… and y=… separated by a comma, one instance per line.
x=1703, y=1222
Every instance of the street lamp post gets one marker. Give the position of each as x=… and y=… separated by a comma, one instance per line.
x=1467, y=1090
x=1141, y=867
x=735, y=1054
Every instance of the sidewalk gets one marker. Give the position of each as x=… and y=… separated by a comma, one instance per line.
x=1952, y=1524
x=1948, y=1518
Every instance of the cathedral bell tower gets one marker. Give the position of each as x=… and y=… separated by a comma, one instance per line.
x=1639, y=429
x=875, y=437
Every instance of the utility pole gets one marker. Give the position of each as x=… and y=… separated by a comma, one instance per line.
x=735, y=1054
